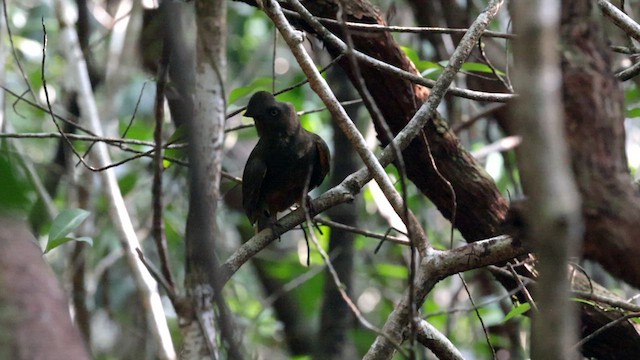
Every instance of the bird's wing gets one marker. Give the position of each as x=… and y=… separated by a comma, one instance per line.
x=324, y=157
x=252, y=179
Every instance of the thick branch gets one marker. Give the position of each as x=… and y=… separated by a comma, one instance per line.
x=622, y=20
x=435, y=267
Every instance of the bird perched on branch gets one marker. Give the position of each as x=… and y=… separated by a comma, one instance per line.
x=286, y=161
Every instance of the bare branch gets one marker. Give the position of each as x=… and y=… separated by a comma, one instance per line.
x=434, y=340
x=622, y=20
x=364, y=27
x=335, y=225
x=328, y=37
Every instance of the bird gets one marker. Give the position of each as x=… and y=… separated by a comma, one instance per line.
x=286, y=161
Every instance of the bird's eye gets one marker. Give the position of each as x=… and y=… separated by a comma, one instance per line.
x=274, y=112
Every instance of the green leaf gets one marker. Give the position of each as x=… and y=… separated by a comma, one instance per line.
x=13, y=186
x=584, y=301
x=632, y=95
x=633, y=113
x=127, y=182
x=392, y=270
x=422, y=65
x=517, y=311
x=67, y=221
x=173, y=154
x=262, y=83
x=411, y=54
x=478, y=67
x=54, y=244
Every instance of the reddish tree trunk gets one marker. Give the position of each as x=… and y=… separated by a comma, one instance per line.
x=594, y=115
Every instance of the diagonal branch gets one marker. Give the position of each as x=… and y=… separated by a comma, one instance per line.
x=622, y=20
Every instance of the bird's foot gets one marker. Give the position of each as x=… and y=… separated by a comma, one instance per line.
x=277, y=229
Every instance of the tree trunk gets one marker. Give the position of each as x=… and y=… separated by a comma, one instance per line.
x=34, y=311
x=594, y=114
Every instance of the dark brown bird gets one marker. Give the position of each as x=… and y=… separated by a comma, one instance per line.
x=286, y=157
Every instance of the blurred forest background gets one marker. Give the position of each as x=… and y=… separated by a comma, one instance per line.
x=283, y=303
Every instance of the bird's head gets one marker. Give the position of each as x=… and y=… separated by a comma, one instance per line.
x=271, y=116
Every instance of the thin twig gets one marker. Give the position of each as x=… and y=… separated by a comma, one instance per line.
x=629, y=73
x=504, y=80
x=336, y=225
x=454, y=200
x=343, y=103
x=467, y=122
x=157, y=228
x=135, y=110
x=119, y=143
x=363, y=27
x=14, y=51
x=168, y=288
x=477, y=306
x=339, y=285
x=44, y=108
x=525, y=291
x=46, y=94
x=477, y=312
x=108, y=140
x=613, y=323
x=289, y=88
x=616, y=303
x=334, y=41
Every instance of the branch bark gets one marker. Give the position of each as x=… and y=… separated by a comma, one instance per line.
x=553, y=212
x=206, y=139
x=436, y=266
x=594, y=115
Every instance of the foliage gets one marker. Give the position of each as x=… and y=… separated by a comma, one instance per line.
x=67, y=221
